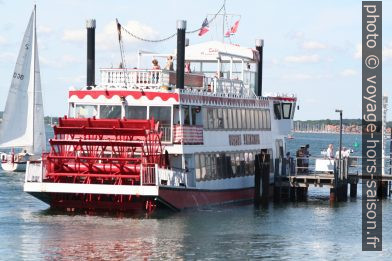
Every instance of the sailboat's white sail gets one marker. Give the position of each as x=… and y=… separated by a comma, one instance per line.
x=23, y=120
x=39, y=144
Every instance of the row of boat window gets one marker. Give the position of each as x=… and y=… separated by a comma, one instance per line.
x=233, y=118
x=213, y=118
x=224, y=165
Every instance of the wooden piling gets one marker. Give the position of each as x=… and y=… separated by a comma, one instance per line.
x=353, y=189
x=332, y=195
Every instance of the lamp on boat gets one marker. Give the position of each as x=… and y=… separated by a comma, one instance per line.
x=181, y=27
x=259, y=83
x=90, y=25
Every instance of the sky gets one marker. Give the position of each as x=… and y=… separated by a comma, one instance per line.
x=312, y=48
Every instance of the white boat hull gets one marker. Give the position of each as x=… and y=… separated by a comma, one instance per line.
x=14, y=166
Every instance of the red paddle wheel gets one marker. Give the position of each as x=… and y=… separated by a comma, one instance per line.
x=103, y=151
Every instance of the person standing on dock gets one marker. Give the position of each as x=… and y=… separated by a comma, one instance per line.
x=330, y=151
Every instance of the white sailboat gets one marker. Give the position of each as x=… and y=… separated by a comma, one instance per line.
x=23, y=119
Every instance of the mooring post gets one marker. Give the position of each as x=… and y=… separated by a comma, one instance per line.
x=332, y=195
x=353, y=189
x=277, y=181
x=382, y=191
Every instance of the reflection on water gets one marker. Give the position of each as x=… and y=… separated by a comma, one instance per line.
x=310, y=230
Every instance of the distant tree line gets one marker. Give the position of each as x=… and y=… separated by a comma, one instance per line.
x=346, y=122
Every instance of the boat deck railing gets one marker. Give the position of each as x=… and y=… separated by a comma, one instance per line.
x=148, y=79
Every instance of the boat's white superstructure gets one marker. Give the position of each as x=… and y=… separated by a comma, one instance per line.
x=23, y=118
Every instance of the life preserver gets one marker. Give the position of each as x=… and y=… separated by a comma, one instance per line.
x=3, y=157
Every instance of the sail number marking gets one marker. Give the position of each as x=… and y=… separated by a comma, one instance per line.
x=18, y=76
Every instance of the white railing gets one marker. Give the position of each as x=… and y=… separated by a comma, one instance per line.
x=34, y=171
x=235, y=87
x=133, y=78
x=152, y=175
x=155, y=79
x=148, y=174
x=166, y=133
x=172, y=178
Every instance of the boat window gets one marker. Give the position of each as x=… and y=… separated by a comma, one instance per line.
x=86, y=111
x=210, y=116
x=286, y=109
x=220, y=118
x=196, y=115
x=264, y=119
x=109, y=111
x=242, y=164
x=239, y=119
x=270, y=152
x=258, y=119
x=219, y=165
x=197, y=167
x=213, y=167
x=161, y=114
x=205, y=118
x=293, y=110
x=268, y=119
x=230, y=118
x=136, y=112
x=243, y=119
x=225, y=119
x=216, y=119
x=203, y=166
x=233, y=165
x=278, y=111
x=187, y=116
x=252, y=118
x=71, y=110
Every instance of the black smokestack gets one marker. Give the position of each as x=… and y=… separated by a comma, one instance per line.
x=259, y=48
x=90, y=25
x=181, y=27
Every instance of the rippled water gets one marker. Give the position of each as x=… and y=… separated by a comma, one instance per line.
x=311, y=230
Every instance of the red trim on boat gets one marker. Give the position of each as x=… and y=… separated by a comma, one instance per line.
x=135, y=94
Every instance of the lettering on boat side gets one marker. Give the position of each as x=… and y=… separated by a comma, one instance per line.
x=249, y=139
x=235, y=140
x=372, y=96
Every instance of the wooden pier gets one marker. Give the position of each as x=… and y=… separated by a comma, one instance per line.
x=294, y=186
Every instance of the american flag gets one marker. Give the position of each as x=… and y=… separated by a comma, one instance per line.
x=204, y=27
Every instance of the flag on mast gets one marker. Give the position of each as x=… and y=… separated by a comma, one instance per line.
x=204, y=28
x=233, y=29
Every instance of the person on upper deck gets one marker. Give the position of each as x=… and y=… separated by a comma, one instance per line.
x=188, y=67
x=155, y=65
x=169, y=63
x=330, y=152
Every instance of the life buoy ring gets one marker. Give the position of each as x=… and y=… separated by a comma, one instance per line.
x=3, y=157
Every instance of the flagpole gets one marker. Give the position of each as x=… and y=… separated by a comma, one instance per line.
x=223, y=21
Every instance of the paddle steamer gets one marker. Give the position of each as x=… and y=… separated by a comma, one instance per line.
x=143, y=138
